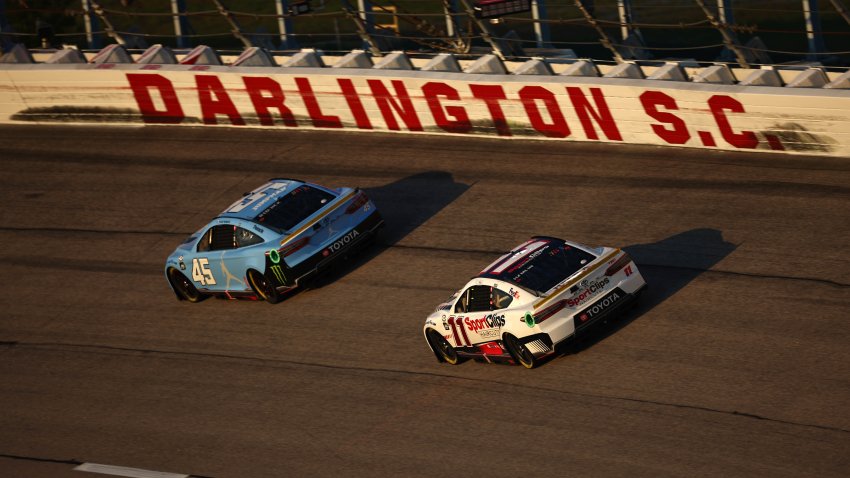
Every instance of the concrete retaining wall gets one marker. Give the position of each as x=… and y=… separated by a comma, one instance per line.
x=553, y=107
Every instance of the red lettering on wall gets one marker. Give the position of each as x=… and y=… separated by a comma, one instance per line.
x=214, y=100
x=491, y=95
x=266, y=94
x=719, y=104
x=142, y=84
x=354, y=103
x=319, y=119
x=387, y=104
x=602, y=114
x=706, y=138
x=433, y=91
x=678, y=132
x=529, y=96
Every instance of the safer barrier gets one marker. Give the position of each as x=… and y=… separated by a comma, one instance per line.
x=553, y=107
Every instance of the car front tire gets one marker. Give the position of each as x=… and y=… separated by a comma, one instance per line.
x=445, y=352
x=183, y=286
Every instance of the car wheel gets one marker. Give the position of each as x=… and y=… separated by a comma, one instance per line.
x=445, y=352
x=263, y=287
x=519, y=352
x=183, y=286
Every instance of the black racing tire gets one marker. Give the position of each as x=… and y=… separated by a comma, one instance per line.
x=183, y=287
x=263, y=287
x=444, y=351
x=520, y=352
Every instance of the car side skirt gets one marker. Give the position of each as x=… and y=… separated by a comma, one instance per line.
x=541, y=345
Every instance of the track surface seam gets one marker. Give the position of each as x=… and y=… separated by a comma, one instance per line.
x=165, y=353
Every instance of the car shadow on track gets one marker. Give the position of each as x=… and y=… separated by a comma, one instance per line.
x=667, y=266
x=405, y=205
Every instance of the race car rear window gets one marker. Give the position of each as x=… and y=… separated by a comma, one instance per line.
x=547, y=266
x=293, y=208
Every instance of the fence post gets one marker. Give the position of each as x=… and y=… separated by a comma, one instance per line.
x=450, y=8
x=92, y=24
x=364, y=29
x=284, y=25
x=364, y=11
x=367, y=19
x=726, y=17
x=541, y=29
x=624, y=9
x=724, y=12
x=811, y=13
x=5, y=43
x=181, y=23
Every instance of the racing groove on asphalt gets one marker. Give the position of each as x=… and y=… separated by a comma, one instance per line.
x=735, y=363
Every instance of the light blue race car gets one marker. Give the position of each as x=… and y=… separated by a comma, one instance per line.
x=271, y=241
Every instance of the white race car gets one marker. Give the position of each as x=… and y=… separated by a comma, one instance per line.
x=531, y=299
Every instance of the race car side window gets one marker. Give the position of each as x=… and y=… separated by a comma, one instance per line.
x=501, y=299
x=460, y=306
x=246, y=238
x=479, y=298
x=218, y=238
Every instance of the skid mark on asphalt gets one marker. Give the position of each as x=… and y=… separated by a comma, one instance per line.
x=125, y=471
x=102, y=469
x=56, y=263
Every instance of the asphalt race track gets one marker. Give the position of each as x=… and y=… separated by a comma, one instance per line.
x=735, y=363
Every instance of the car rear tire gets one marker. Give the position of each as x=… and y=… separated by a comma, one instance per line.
x=519, y=352
x=444, y=351
x=183, y=286
x=263, y=287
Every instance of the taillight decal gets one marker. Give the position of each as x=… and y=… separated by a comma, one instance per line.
x=357, y=202
x=620, y=263
x=290, y=249
x=550, y=311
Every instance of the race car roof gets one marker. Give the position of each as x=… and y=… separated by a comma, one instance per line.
x=253, y=203
x=538, y=264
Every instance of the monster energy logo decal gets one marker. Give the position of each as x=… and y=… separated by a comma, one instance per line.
x=278, y=274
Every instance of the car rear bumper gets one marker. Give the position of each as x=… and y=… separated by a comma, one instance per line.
x=609, y=305
x=285, y=277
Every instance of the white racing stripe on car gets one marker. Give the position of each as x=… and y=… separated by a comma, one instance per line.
x=493, y=264
x=505, y=256
x=124, y=471
x=528, y=250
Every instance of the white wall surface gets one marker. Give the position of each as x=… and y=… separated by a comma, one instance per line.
x=783, y=120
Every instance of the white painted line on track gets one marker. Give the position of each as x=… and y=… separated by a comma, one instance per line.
x=124, y=471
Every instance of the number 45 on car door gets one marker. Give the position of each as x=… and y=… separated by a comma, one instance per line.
x=201, y=271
